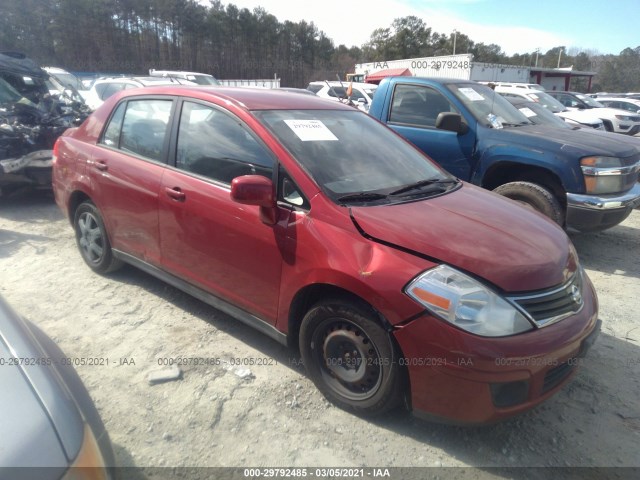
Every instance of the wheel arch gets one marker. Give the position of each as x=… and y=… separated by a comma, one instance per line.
x=75, y=199
x=311, y=294
x=504, y=172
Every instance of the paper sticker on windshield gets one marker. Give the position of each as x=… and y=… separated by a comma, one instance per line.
x=471, y=94
x=310, y=130
x=528, y=112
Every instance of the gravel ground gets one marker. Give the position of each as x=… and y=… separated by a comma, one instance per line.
x=225, y=413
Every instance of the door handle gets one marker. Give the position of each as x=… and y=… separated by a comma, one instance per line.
x=102, y=165
x=175, y=193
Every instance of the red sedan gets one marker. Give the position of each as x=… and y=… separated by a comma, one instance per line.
x=319, y=226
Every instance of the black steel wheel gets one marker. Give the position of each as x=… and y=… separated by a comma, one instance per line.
x=350, y=357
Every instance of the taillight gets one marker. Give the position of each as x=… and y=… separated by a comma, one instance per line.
x=56, y=146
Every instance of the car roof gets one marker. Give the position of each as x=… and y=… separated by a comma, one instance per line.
x=246, y=98
x=345, y=83
x=143, y=80
x=620, y=99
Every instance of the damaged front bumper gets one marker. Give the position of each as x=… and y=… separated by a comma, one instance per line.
x=32, y=169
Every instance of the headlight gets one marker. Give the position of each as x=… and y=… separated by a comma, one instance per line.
x=603, y=174
x=89, y=464
x=466, y=303
x=624, y=117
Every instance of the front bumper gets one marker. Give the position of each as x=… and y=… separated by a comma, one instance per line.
x=597, y=212
x=460, y=378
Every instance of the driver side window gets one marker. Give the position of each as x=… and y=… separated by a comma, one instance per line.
x=418, y=106
x=216, y=145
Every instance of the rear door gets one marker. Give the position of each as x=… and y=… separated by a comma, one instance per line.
x=206, y=238
x=125, y=173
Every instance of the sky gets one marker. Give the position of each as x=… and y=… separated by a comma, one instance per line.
x=605, y=26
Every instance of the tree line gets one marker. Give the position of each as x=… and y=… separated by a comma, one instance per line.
x=132, y=36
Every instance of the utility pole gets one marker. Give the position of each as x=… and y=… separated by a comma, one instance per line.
x=559, y=55
x=455, y=35
x=537, y=50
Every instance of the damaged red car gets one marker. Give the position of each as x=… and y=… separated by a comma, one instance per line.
x=319, y=226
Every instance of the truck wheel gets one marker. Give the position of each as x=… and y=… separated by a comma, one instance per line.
x=350, y=357
x=534, y=196
x=92, y=240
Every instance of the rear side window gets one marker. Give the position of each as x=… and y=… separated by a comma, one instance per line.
x=314, y=88
x=139, y=127
x=216, y=145
x=112, y=133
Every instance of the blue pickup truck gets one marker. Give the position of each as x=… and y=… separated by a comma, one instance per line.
x=579, y=180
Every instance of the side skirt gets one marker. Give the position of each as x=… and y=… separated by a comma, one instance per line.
x=200, y=294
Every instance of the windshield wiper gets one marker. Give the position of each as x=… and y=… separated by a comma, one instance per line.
x=423, y=183
x=515, y=124
x=362, y=197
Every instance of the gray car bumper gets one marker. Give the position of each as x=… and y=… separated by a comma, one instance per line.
x=593, y=212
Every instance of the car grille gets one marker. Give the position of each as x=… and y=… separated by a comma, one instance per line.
x=555, y=376
x=550, y=306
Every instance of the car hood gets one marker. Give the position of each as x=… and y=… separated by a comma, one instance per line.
x=37, y=409
x=480, y=232
x=629, y=140
x=606, y=112
x=24, y=420
x=581, y=116
x=576, y=143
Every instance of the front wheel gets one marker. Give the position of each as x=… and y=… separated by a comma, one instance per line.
x=534, y=196
x=92, y=240
x=350, y=357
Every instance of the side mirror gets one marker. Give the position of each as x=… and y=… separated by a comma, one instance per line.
x=451, y=122
x=362, y=101
x=255, y=190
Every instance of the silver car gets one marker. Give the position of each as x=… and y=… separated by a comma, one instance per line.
x=49, y=426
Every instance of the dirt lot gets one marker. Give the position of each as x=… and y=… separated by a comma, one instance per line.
x=222, y=415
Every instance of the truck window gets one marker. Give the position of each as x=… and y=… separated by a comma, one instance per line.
x=417, y=105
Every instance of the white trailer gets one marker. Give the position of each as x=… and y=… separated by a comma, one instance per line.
x=450, y=66
x=259, y=82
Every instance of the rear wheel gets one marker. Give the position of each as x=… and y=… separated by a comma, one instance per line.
x=92, y=240
x=350, y=357
x=534, y=196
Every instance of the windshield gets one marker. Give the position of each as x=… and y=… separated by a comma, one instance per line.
x=203, y=79
x=488, y=107
x=69, y=80
x=546, y=100
x=8, y=94
x=539, y=115
x=589, y=101
x=348, y=152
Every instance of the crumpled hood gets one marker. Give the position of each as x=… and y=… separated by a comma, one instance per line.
x=556, y=140
x=480, y=232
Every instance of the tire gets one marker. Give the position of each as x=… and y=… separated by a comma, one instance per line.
x=534, y=196
x=351, y=358
x=92, y=239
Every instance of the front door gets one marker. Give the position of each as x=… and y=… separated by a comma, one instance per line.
x=206, y=238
